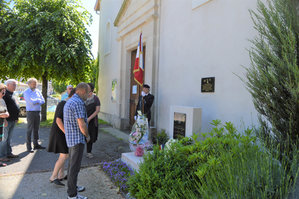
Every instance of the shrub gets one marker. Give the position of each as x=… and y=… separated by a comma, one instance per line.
x=224, y=164
x=273, y=78
x=162, y=137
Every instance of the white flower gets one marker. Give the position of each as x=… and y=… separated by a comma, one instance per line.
x=169, y=143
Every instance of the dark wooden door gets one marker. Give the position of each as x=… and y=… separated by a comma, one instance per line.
x=135, y=90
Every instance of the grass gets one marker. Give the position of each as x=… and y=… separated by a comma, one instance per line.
x=57, y=95
x=49, y=121
x=103, y=122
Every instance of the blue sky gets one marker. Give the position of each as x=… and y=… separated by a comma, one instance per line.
x=94, y=27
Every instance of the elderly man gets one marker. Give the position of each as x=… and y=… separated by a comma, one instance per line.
x=69, y=88
x=34, y=99
x=13, y=110
x=75, y=126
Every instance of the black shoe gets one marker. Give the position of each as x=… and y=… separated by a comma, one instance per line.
x=38, y=147
x=30, y=151
x=57, y=182
x=12, y=156
x=64, y=178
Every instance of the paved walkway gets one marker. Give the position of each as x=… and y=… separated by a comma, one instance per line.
x=27, y=176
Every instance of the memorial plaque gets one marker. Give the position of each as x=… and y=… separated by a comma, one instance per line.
x=179, y=127
x=208, y=85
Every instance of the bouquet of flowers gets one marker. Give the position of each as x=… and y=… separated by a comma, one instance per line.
x=139, y=134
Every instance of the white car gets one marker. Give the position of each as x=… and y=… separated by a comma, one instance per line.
x=22, y=105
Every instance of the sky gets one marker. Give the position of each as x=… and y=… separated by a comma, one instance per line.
x=94, y=27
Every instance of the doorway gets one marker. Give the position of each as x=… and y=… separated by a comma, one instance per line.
x=135, y=89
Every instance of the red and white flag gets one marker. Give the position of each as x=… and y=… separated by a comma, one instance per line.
x=139, y=65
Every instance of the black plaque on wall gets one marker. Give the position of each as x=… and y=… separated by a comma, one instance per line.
x=208, y=85
x=179, y=126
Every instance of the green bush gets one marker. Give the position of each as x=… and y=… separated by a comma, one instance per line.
x=224, y=164
x=162, y=137
x=273, y=78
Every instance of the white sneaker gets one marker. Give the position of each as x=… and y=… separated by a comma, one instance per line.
x=80, y=188
x=77, y=197
x=89, y=155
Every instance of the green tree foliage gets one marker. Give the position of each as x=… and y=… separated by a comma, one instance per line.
x=47, y=39
x=94, y=74
x=5, y=16
x=273, y=78
x=59, y=87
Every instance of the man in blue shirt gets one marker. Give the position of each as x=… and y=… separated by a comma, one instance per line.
x=34, y=99
x=76, y=131
x=69, y=88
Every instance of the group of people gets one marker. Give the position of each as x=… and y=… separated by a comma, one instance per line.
x=70, y=116
x=75, y=124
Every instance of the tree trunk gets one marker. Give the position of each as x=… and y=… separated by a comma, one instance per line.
x=44, y=92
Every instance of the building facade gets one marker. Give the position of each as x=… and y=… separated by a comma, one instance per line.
x=188, y=44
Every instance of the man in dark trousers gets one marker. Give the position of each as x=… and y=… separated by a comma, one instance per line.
x=13, y=110
x=76, y=132
x=145, y=102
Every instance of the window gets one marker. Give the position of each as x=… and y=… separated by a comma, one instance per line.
x=107, y=41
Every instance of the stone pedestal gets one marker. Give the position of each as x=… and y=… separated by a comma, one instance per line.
x=131, y=160
x=192, y=119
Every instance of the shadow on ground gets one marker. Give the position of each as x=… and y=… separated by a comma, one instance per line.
x=107, y=148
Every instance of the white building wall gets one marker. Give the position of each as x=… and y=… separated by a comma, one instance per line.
x=208, y=41
x=109, y=50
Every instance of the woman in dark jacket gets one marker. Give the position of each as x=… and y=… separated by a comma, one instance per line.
x=93, y=105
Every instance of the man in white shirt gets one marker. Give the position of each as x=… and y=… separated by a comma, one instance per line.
x=34, y=99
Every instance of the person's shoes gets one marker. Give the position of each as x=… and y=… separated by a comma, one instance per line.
x=39, y=147
x=2, y=164
x=78, y=197
x=64, y=178
x=12, y=156
x=80, y=188
x=89, y=155
x=4, y=159
x=30, y=151
x=57, y=182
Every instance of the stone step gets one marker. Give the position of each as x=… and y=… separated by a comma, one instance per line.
x=132, y=160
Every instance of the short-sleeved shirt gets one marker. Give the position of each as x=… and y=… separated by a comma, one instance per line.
x=74, y=109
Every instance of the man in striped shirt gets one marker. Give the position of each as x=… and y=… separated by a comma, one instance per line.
x=76, y=131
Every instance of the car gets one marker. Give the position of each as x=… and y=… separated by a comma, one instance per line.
x=22, y=105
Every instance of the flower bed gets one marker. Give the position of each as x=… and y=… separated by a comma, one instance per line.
x=119, y=173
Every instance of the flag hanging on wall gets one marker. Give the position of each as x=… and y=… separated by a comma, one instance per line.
x=139, y=65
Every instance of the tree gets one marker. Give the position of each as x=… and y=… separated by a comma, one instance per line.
x=273, y=78
x=94, y=75
x=5, y=16
x=47, y=39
